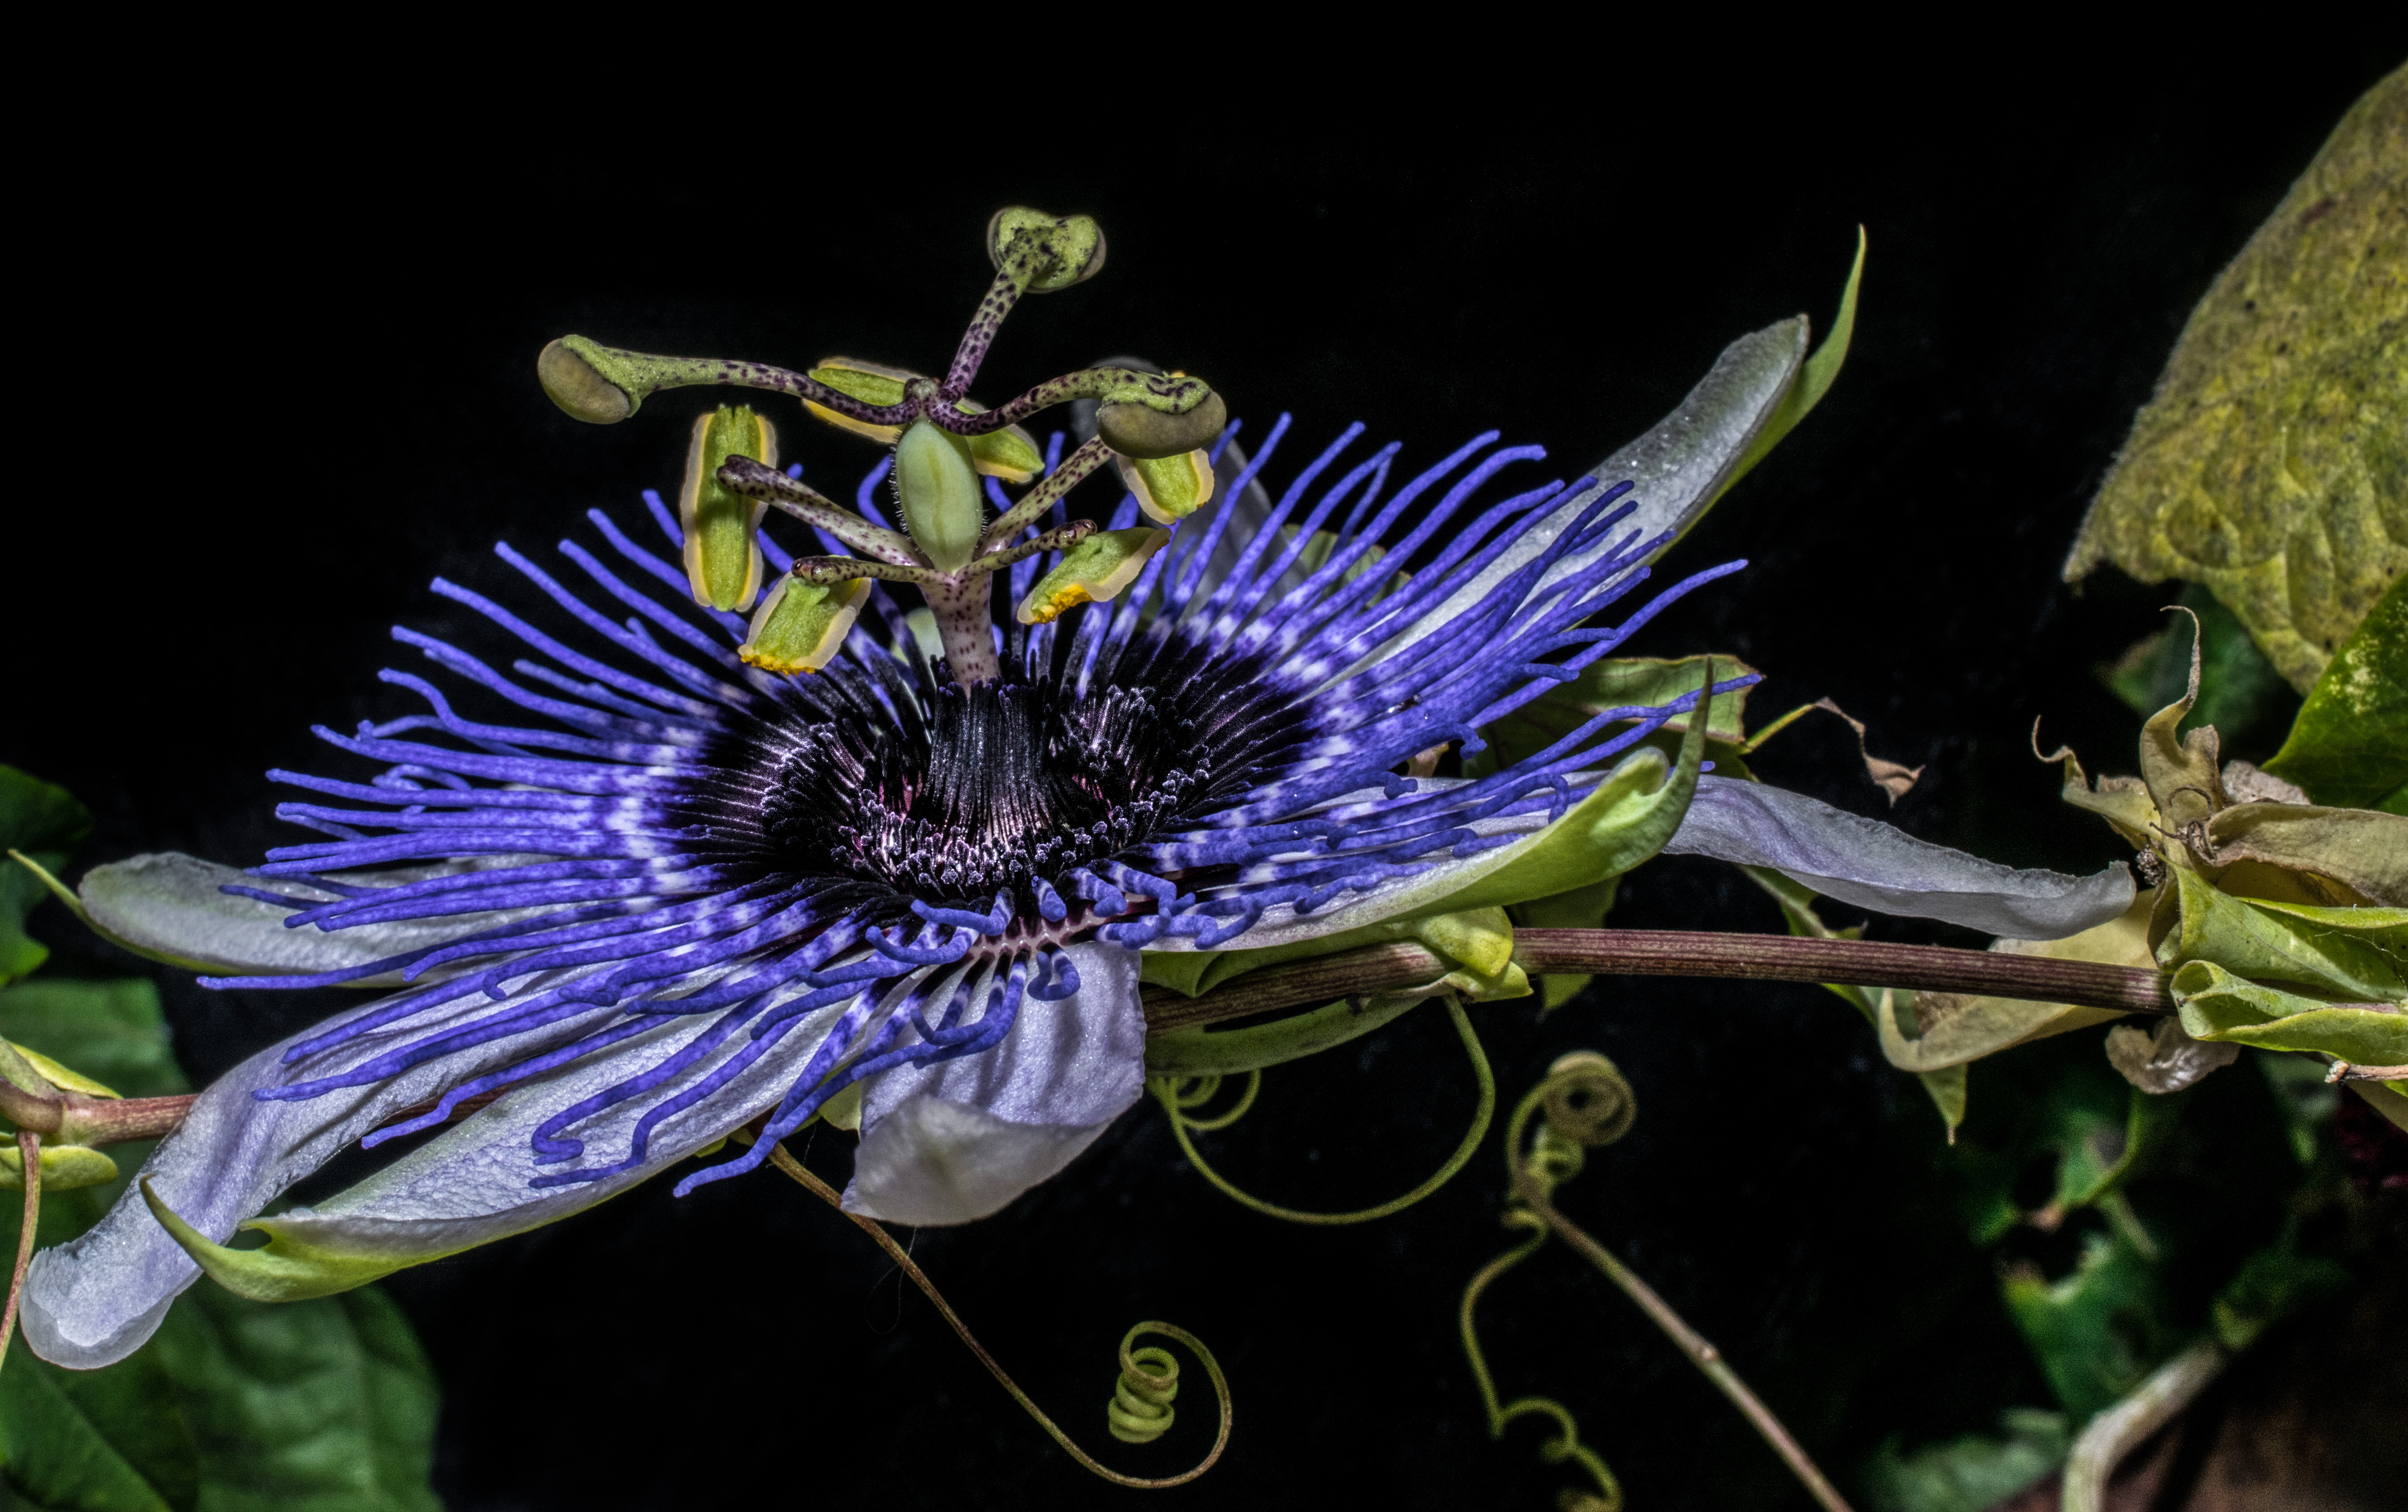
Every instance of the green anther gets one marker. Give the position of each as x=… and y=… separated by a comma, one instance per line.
x=936, y=482
x=1072, y=246
x=1010, y=453
x=1168, y=487
x=722, y=546
x=1146, y=426
x=1095, y=572
x=801, y=626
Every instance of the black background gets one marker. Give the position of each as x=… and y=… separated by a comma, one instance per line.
x=281, y=401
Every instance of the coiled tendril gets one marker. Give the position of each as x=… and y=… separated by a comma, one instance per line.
x=1588, y=1105
x=1139, y=1411
x=1178, y=1094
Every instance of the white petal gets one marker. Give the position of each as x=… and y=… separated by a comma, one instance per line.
x=93, y=1301
x=1677, y=468
x=1875, y=866
x=471, y=1186
x=954, y=1142
x=172, y=907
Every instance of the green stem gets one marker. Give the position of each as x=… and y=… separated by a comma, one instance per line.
x=1165, y=1091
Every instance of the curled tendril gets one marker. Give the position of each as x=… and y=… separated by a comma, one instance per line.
x=1148, y=1377
x=1139, y=1411
x=1178, y=1095
x=1588, y=1105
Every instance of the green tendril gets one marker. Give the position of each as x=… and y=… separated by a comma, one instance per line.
x=1588, y=1105
x=1567, y=1443
x=1178, y=1094
x=1139, y=1411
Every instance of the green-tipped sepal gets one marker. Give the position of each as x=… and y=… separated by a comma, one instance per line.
x=1136, y=428
x=936, y=488
x=801, y=626
x=288, y=1270
x=583, y=378
x=1069, y=249
x=722, y=539
x=1094, y=571
x=1168, y=487
x=1009, y=453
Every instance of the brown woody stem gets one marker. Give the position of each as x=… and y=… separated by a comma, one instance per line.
x=1666, y=953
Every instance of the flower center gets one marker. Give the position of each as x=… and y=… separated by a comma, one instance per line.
x=1001, y=782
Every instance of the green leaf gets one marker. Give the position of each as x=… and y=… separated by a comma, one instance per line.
x=112, y=1032
x=2359, y=954
x=2272, y=462
x=2349, y=747
x=110, y=1440
x=2217, y=1005
x=234, y=1406
x=44, y=821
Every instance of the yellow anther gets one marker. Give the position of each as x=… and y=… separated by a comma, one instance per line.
x=1095, y=572
x=801, y=626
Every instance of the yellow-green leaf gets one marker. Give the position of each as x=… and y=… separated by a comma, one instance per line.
x=2272, y=462
x=2349, y=746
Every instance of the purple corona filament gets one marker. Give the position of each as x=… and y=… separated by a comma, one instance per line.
x=663, y=839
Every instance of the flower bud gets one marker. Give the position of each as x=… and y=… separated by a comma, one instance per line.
x=801, y=626
x=1071, y=246
x=1168, y=487
x=1141, y=431
x=723, y=544
x=1094, y=571
x=936, y=486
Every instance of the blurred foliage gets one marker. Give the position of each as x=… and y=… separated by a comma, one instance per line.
x=45, y=822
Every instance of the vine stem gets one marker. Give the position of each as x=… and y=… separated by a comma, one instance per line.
x=1671, y=952
x=1693, y=1344
x=29, y=1149
x=783, y=1160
